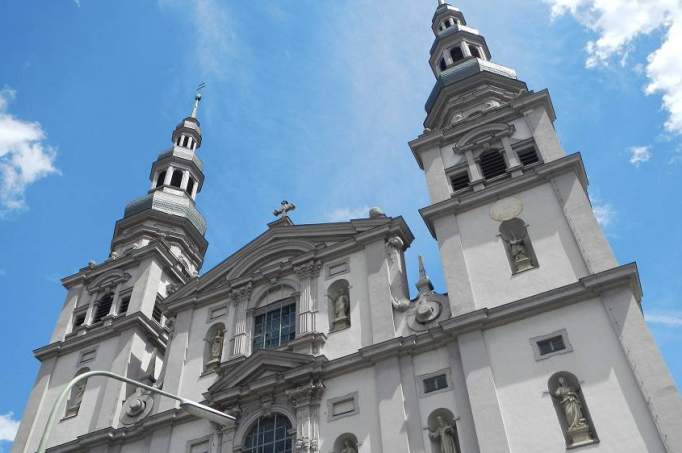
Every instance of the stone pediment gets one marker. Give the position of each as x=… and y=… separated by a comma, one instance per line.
x=260, y=366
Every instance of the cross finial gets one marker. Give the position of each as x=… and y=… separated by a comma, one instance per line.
x=197, y=99
x=283, y=211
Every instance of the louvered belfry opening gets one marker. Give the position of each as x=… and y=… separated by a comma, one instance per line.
x=460, y=181
x=528, y=155
x=492, y=164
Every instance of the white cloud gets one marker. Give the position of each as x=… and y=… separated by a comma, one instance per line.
x=639, y=154
x=344, y=214
x=604, y=213
x=24, y=156
x=8, y=427
x=666, y=319
x=618, y=23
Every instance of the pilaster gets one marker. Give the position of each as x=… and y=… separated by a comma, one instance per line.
x=241, y=296
x=307, y=305
x=306, y=401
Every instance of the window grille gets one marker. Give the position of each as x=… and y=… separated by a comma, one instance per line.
x=528, y=156
x=275, y=328
x=157, y=313
x=460, y=181
x=123, y=307
x=435, y=383
x=492, y=164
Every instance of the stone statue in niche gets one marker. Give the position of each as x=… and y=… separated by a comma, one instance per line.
x=349, y=446
x=341, y=311
x=446, y=435
x=74, y=402
x=215, y=351
x=569, y=400
x=519, y=254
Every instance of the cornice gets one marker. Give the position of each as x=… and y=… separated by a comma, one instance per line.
x=156, y=248
x=531, y=177
x=319, y=369
x=150, y=329
x=198, y=295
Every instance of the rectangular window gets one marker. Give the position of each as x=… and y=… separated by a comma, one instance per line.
x=157, y=313
x=528, y=156
x=275, y=328
x=103, y=308
x=492, y=164
x=123, y=306
x=435, y=383
x=551, y=345
x=79, y=319
x=456, y=54
x=474, y=51
x=460, y=181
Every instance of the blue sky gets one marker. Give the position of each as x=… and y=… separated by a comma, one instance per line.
x=313, y=102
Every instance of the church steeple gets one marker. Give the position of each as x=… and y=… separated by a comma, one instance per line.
x=176, y=179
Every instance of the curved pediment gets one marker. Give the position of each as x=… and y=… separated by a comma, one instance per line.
x=270, y=257
x=108, y=280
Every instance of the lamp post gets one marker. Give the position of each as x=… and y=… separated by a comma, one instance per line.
x=194, y=408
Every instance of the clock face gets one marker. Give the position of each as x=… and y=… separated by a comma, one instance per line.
x=506, y=209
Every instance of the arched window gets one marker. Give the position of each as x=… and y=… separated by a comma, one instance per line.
x=176, y=179
x=492, y=164
x=571, y=408
x=73, y=404
x=161, y=178
x=518, y=245
x=338, y=296
x=102, y=307
x=270, y=434
x=443, y=431
x=213, y=350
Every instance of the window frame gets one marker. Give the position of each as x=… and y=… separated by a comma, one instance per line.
x=422, y=377
x=264, y=311
x=563, y=333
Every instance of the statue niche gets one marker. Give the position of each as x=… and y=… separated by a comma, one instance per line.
x=571, y=409
x=215, y=339
x=346, y=443
x=517, y=243
x=338, y=295
x=443, y=432
x=73, y=404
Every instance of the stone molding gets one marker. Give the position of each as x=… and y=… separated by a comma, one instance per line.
x=145, y=326
x=311, y=269
x=532, y=177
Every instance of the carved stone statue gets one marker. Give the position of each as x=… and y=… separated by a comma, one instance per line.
x=349, y=447
x=215, y=351
x=341, y=310
x=577, y=427
x=74, y=402
x=446, y=436
x=519, y=254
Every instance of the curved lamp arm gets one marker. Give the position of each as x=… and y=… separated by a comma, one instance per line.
x=194, y=408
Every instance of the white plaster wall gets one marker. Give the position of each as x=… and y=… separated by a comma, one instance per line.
x=492, y=283
x=619, y=412
x=347, y=341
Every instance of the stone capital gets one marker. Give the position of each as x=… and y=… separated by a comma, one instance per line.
x=311, y=269
x=241, y=293
x=306, y=394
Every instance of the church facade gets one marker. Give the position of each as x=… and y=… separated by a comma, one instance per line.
x=307, y=335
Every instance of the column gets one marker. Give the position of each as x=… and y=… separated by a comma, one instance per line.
x=307, y=306
x=194, y=190
x=154, y=180
x=465, y=49
x=474, y=171
x=480, y=383
x=169, y=175
x=448, y=57
x=512, y=159
x=306, y=400
x=240, y=297
x=185, y=180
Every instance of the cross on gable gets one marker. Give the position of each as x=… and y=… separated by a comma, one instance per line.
x=283, y=211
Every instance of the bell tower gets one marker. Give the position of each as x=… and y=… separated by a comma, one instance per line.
x=509, y=208
x=112, y=318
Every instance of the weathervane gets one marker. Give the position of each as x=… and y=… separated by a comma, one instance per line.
x=284, y=210
x=197, y=99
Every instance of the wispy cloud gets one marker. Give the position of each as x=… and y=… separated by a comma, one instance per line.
x=8, y=427
x=24, y=156
x=665, y=319
x=604, y=212
x=618, y=23
x=640, y=154
x=343, y=214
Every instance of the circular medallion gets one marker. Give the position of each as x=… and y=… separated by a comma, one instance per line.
x=506, y=209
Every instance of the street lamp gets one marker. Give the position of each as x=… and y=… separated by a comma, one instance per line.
x=194, y=408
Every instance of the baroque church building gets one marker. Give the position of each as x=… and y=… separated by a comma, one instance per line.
x=308, y=337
